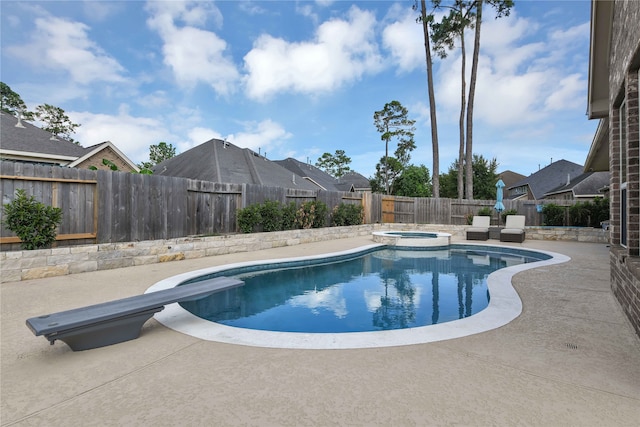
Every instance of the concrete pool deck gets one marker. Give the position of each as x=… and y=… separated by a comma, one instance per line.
x=570, y=358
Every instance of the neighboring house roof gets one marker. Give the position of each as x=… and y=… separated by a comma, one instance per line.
x=546, y=179
x=353, y=179
x=220, y=161
x=23, y=141
x=309, y=172
x=509, y=178
x=587, y=185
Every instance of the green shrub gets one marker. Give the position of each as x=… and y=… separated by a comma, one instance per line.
x=311, y=214
x=579, y=214
x=321, y=210
x=588, y=214
x=508, y=212
x=289, y=216
x=249, y=218
x=485, y=211
x=271, y=216
x=599, y=211
x=347, y=214
x=33, y=222
x=468, y=218
x=553, y=215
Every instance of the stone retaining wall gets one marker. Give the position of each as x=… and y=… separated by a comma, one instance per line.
x=569, y=234
x=26, y=265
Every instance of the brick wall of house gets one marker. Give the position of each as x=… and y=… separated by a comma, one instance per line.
x=624, y=36
x=108, y=154
x=623, y=87
x=625, y=279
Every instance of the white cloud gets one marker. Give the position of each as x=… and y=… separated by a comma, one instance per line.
x=571, y=34
x=199, y=135
x=342, y=51
x=193, y=54
x=154, y=99
x=307, y=11
x=132, y=135
x=404, y=38
x=568, y=94
x=100, y=10
x=518, y=82
x=198, y=56
x=509, y=100
x=64, y=45
x=189, y=13
x=501, y=34
x=252, y=8
x=265, y=136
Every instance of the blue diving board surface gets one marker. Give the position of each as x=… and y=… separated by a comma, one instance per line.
x=120, y=320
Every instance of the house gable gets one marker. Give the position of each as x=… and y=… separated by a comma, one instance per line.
x=107, y=150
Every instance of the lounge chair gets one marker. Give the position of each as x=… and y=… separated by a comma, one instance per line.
x=513, y=230
x=479, y=229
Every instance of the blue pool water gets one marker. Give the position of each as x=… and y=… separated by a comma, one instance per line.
x=380, y=289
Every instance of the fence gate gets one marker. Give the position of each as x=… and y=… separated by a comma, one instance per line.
x=388, y=210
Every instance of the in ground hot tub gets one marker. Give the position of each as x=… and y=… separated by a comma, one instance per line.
x=412, y=238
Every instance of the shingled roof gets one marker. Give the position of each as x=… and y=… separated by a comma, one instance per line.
x=311, y=173
x=220, y=161
x=350, y=182
x=20, y=137
x=587, y=185
x=22, y=141
x=354, y=180
x=548, y=178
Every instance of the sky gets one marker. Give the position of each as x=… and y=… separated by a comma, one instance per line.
x=300, y=78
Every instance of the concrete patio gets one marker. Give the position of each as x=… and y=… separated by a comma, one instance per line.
x=571, y=358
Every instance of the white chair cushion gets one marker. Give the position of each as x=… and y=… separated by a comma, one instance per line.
x=481, y=222
x=515, y=221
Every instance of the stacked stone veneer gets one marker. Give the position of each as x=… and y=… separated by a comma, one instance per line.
x=26, y=265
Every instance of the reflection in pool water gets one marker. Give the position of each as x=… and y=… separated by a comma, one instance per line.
x=383, y=289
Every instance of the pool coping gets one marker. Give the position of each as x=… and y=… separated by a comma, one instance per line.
x=504, y=306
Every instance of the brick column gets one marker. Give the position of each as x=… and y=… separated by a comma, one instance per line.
x=614, y=168
x=633, y=186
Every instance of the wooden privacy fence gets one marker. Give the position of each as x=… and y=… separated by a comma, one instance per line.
x=109, y=207
x=76, y=197
x=423, y=210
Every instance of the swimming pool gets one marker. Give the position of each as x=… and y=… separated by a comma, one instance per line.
x=504, y=305
x=382, y=289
